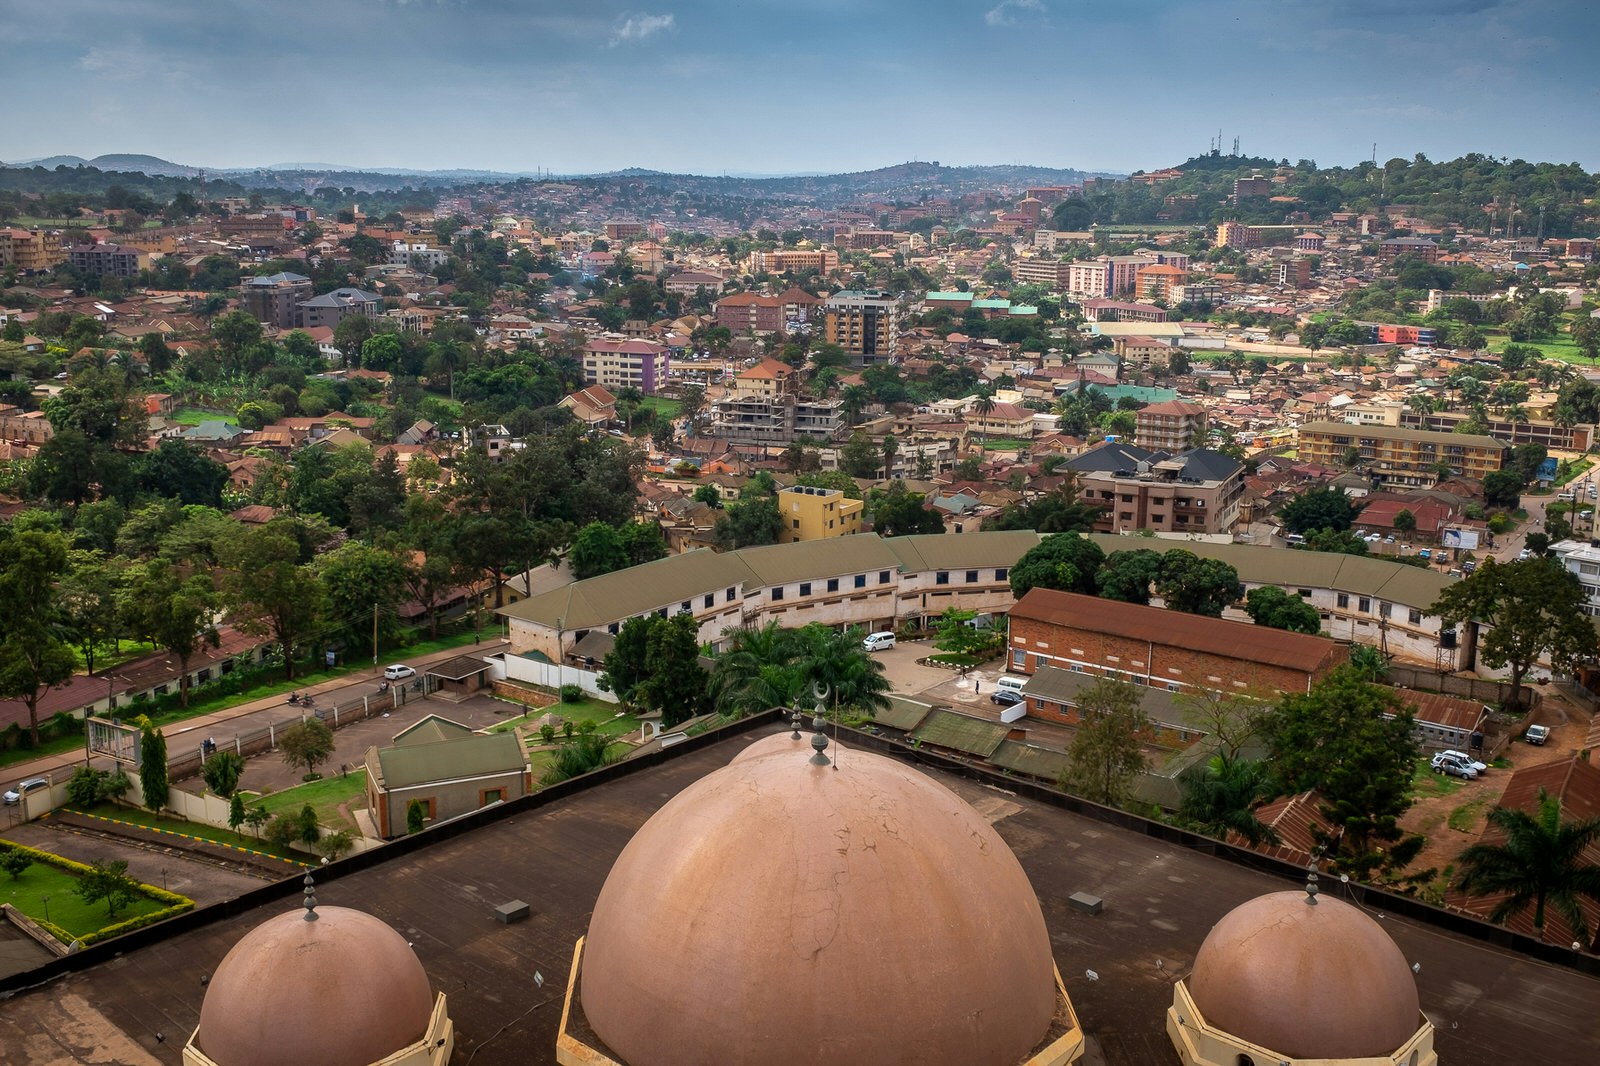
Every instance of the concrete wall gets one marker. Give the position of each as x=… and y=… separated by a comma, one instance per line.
x=550, y=675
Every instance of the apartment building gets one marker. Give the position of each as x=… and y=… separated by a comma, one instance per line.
x=1294, y=273
x=274, y=299
x=811, y=513
x=1051, y=273
x=1103, y=310
x=1255, y=186
x=625, y=231
x=766, y=314
x=1155, y=283
x=1195, y=491
x=1195, y=292
x=764, y=406
x=794, y=260
x=1162, y=649
x=1579, y=437
x=332, y=308
x=1393, y=455
x=619, y=363
x=1395, y=247
x=866, y=324
x=1309, y=242
x=105, y=260
x=1240, y=235
x=417, y=255
x=1174, y=426
x=30, y=251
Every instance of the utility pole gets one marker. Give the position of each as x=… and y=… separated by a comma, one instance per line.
x=374, y=637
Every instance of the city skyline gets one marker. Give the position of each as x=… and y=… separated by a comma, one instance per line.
x=698, y=86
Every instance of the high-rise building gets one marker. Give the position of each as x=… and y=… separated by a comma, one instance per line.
x=866, y=324
x=274, y=299
x=619, y=363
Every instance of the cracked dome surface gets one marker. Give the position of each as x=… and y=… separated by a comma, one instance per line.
x=1309, y=982
x=780, y=912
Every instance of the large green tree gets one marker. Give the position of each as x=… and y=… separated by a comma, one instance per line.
x=1129, y=575
x=154, y=781
x=1271, y=606
x=674, y=683
x=33, y=652
x=750, y=523
x=1353, y=742
x=175, y=610
x=1064, y=561
x=1532, y=608
x=1541, y=860
x=1320, y=508
x=1196, y=585
x=899, y=513
x=1107, y=752
x=1221, y=794
x=269, y=589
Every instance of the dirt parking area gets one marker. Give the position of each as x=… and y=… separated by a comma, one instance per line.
x=1450, y=813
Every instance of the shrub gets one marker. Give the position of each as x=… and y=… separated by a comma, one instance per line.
x=89, y=786
x=547, y=733
x=571, y=693
x=222, y=771
x=283, y=830
x=15, y=862
x=337, y=844
x=310, y=829
x=416, y=816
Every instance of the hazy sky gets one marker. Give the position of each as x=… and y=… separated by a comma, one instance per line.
x=772, y=86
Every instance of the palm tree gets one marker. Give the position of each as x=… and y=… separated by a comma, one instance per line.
x=851, y=402
x=891, y=448
x=836, y=659
x=1220, y=796
x=984, y=405
x=1540, y=862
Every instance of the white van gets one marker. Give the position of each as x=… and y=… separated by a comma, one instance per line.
x=1014, y=684
x=878, y=641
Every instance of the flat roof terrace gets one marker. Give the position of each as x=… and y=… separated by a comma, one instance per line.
x=1489, y=1005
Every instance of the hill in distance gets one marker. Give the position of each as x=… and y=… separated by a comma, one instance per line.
x=123, y=162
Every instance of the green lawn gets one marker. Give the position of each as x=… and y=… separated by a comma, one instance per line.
x=1005, y=444
x=192, y=830
x=1465, y=817
x=325, y=796
x=663, y=406
x=603, y=714
x=51, y=894
x=193, y=416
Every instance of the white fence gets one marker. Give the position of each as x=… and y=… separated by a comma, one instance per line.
x=552, y=675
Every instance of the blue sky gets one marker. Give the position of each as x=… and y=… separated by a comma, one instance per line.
x=812, y=85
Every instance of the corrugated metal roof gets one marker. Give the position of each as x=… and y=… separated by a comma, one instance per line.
x=1242, y=641
x=902, y=714
x=1047, y=764
x=431, y=730
x=446, y=760
x=960, y=732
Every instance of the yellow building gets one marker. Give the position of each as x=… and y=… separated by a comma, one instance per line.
x=1395, y=456
x=811, y=513
x=30, y=251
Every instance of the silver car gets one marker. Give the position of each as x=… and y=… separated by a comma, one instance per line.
x=32, y=784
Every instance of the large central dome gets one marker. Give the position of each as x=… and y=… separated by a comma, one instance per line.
x=778, y=911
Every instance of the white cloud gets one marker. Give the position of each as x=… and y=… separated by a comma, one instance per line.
x=638, y=26
x=1010, y=12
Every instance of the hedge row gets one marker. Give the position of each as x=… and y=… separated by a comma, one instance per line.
x=176, y=904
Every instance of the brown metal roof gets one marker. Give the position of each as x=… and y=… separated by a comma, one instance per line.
x=1214, y=636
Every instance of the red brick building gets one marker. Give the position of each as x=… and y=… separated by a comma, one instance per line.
x=1164, y=649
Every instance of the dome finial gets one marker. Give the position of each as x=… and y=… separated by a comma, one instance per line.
x=819, y=743
x=310, y=901
x=1311, y=884
x=795, y=718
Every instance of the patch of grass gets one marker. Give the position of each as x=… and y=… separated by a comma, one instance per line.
x=192, y=830
x=1465, y=817
x=193, y=416
x=325, y=796
x=1427, y=782
x=64, y=908
x=665, y=407
x=603, y=714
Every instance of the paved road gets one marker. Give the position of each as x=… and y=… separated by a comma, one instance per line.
x=185, y=736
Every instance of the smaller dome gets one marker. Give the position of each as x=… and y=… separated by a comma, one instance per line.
x=344, y=990
x=1320, y=981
